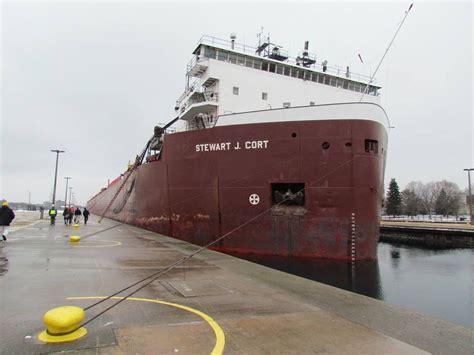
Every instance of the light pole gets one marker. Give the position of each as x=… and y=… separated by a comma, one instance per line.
x=65, y=197
x=70, y=196
x=470, y=193
x=29, y=200
x=56, y=172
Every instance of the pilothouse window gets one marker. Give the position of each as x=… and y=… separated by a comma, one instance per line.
x=221, y=55
x=209, y=52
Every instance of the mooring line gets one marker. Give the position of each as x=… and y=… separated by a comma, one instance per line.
x=386, y=51
x=170, y=267
x=101, y=231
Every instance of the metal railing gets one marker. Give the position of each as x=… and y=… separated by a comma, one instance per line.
x=190, y=89
x=249, y=50
x=198, y=97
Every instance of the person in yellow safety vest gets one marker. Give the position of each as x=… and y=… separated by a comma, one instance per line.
x=52, y=215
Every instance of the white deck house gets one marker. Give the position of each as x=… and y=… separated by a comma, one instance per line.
x=225, y=77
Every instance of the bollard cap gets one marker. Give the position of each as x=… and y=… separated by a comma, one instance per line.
x=74, y=238
x=75, y=226
x=63, y=324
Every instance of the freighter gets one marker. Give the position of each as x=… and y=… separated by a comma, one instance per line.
x=282, y=156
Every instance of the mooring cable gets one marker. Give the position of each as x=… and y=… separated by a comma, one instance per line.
x=101, y=231
x=385, y=53
x=170, y=267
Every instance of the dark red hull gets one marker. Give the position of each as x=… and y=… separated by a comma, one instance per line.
x=198, y=196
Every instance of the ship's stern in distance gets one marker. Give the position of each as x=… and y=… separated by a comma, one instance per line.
x=320, y=176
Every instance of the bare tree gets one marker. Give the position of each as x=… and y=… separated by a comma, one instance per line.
x=428, y=193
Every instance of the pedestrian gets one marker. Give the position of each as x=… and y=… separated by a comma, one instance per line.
x=86, y=214
x=66, y=215
x=52, y=215
x=6, y=217
x=77, y=215
x=70, y=216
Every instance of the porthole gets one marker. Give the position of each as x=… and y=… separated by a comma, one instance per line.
x=325, y=145
x=293, y=134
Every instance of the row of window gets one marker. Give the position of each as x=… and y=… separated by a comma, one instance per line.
x=287, y=70
x=235, y=91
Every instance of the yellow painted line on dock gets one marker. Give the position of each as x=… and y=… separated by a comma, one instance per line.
x=219, y=333
x=113, y=243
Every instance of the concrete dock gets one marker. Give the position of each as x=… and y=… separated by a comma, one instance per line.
x=429, y=235
x=214, y=303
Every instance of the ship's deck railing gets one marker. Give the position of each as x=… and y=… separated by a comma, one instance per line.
x=197, y=97
x=249, y=50
x=196, y=84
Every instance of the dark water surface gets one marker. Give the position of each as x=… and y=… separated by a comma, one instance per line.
x=434, y=282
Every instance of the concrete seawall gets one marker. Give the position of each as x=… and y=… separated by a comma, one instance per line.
x=433, y=237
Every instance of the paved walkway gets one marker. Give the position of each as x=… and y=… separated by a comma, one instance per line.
x=25, y=218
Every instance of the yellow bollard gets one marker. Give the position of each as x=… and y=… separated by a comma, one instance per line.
x=74, y=238
x=63, y=325
x=75, y=226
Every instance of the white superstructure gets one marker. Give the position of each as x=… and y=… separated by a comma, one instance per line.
x=230, y=78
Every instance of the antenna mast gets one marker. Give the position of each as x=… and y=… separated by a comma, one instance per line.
x=386, y=51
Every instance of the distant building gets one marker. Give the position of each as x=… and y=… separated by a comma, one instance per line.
x=23, y=206
x=59, y=204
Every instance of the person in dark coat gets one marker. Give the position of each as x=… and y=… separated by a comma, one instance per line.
x=77, y=215
x=86, y=214
x=6, y=217
x=66, y=214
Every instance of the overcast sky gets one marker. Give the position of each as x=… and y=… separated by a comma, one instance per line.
x=93, y=78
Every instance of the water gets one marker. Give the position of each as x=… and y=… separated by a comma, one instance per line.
x=434, y=282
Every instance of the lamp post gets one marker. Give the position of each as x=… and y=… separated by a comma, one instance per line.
x=65, y=196
x=29, y=200
x=70, y=196
x=56, y=172
x=470, y=193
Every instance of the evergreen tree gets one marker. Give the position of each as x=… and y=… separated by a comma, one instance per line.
x=394, y=200
x=442, y=203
